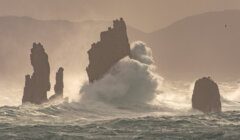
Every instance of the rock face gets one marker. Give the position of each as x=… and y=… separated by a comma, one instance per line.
x=206, y=96
x=37, y=85
x=112, y=47
x=58, y=87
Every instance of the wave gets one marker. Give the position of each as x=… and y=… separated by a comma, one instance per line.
x=131, y=89
x=130, y=82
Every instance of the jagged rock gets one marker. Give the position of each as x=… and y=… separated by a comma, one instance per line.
x=112, y=47
x=206, y=96
x=37, y=85
x=58, y=88
x=27, y=93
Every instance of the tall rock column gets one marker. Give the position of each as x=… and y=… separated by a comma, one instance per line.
x=112, y=47
x=58, y=87
x=37, y=85
x=206, y=96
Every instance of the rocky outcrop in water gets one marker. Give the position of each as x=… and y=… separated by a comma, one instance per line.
x=58, y=88
x=112, y=47
x=37, y=85
x=206, y=96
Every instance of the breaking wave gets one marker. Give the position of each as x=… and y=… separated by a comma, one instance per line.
x=129, y=98
x=130, y=82
x=134, y=84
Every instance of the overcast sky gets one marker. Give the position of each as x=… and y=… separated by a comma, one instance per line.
x=147, y=15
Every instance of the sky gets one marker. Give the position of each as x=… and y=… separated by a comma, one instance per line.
x=147, y=15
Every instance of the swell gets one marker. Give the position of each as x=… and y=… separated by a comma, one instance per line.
x=200, y=126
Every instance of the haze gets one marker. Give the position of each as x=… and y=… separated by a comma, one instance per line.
x=147, y=15
x=184, y=36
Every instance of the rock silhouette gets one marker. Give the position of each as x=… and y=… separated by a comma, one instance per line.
x=112, y=47
x=58, y=87
x=37, y=85
x=206, y=96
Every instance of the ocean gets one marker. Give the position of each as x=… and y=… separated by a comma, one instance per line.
x=73, y=121
x=131, y=102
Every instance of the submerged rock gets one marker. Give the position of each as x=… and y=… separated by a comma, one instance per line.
x=58, y=88
x=112, y=47
x=37, y=85
x=206, y=96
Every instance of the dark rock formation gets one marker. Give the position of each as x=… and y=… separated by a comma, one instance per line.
x=206, y=96
x=112, y=47
x=58, y=88
x=37, y=85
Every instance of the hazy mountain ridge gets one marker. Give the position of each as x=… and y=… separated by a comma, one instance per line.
x=196, y=46
x=65, y=42
x=205, y=44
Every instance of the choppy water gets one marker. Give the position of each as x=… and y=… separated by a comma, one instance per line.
x=169, y=117
x=74, y=121
x=130, y=102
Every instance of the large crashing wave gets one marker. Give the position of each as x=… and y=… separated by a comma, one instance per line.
x=134, y=83
x=130, y=81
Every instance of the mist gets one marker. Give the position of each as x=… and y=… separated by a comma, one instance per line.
x=148, y=16
x=119, y=69
x=129, y=82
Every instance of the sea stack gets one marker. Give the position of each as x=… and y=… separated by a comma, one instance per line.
x=112, y=47
x=206, y=96
x=58, y=87
x=37, y=85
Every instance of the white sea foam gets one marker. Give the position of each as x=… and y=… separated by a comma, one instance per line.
x=130, y=81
